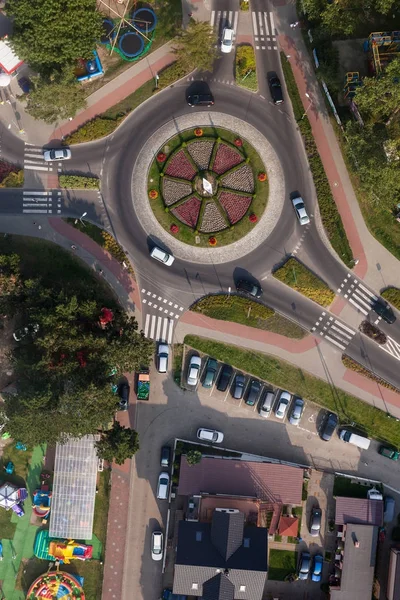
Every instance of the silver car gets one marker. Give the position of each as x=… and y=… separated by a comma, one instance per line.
x=266, y=405
x=194, y=370
x=297, y=411
x=282, y=405
x=162, y=356
x=157, y=545
x=56, y=154
x=300, y=210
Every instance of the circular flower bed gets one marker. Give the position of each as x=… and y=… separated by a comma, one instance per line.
x=209, y=185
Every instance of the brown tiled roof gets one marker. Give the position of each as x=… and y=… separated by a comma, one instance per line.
x=288, y=526
x=359, y=510
x=267, y=481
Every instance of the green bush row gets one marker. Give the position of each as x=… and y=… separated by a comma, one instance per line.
x=298, y=277
x=392, y=295
x=171, y=74
x=92, y=130
x=13, y=180
x=349, y=363
x=78, y=182
x=331, y=218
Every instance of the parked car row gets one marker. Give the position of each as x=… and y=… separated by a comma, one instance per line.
x=310, y=566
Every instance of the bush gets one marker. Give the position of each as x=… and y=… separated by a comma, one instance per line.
x=349, y=363
x=373, y=332
x=193, y=457
x=392, y=295
x=245, y=60
x=298, y=277
x=245, y=6
x=92, y=130
x=171, y=74
x=111, y=244
x=13, y=180
x=78, y=182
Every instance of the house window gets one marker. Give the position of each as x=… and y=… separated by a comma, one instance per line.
x=195, y=586
x=242, y=588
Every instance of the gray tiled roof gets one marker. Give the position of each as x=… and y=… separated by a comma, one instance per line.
x=227, y=532
x=218, y=588
x=358, y=510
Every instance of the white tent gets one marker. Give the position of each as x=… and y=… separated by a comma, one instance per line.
x=8, y=495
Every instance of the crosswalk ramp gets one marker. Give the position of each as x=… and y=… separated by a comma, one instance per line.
x=43, y=202
x=224, y=18
x=264, y=30
x=334, y=331
x=357, y=294
x=159, y=329
x=391, y=347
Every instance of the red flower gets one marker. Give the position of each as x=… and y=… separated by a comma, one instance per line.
x=262, y=176
x=153, y=194
x=161, y=156
x=198, y=132
x=253, y=218
x=238, y=142
x=174, y=228
x=212, y=241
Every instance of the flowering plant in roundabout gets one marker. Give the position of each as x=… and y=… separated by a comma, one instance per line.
x=208, y=183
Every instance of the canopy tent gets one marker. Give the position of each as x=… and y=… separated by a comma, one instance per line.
x=8, y=495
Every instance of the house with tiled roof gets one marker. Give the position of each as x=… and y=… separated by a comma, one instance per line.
x=221, y=560
x=358, y=510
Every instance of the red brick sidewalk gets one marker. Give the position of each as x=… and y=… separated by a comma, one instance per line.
x=298, y=66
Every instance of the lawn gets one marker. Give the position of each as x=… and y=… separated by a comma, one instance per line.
x=392, y=294
x=298, y=277
x=282, y=374
x=343, y=486
x=249, y=82
x=177, y=354
x=245, y=311
x=281, y=563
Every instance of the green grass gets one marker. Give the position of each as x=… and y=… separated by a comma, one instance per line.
x=343, y=486
x=232, y=234
x=282, y=374
x=131, y=102
x=249, y=82
x=392, y=294
x=281, y=563
x=79, y=182
x=245, y=311
x=101, y=507
x=297, y=276
x=331, y=218
x=177, y=362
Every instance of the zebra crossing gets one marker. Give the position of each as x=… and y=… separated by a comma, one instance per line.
x=159, y=321
x=224, y=18
x=264, y=30
x=159, y=329
x=41, y=202
x=33, y=159
x=333, y=330
x=357, y=294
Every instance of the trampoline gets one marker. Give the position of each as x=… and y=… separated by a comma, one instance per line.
x=144, y=19
x=108, y=27
x=131, y=44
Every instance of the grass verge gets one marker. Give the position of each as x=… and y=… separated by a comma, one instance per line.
x=236, y=309
x=344, y=486
x=392, y=295
x=282, y=374
x=294, y=274
x=331, y=218
x=281, y=563
x=177, y=362
x=349, y=363
x=245, y=67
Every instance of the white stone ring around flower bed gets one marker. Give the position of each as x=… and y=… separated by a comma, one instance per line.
x=267, y=221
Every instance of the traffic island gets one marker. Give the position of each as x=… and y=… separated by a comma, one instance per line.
x=294, y=274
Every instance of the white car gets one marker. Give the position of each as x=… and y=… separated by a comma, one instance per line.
x=227, y=40
x=157, y=544
x=210, y=435
x=162, y=356
x=282, y=405
x=56, y=154
x=300, y=210
x=162, y=256
x=162, y=486
x=194, y=370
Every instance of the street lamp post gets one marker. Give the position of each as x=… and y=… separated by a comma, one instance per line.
x=308, y=107
x=80, y=219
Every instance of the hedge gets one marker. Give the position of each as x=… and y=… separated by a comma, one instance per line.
x=331, y=218
x=78, y=182
x=171, y=74
x=245, y=67
x=349, y=363
x=392, y=295
x=92, y=130
x=298, y=277
x=13, y=180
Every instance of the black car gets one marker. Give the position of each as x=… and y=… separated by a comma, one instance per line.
x=123, y=393
x=224, y=378
x=276, y=90
x=200, y=100
x=329, y=426
x=249, y=288
x=384, y=310
x=238, y=386
x=165, y=456
x=253, y=393
x=24, y=84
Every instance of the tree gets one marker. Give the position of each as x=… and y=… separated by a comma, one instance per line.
x=10, y=280
x=50, y=34
x=196, y=46
x=379, y=97
x=193, y=457
x=58, y=97
x=118, y=444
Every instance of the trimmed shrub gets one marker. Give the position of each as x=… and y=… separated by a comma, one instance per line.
x=392, y=295
x=13, y=180
x=171, y=74
x=349, y=363
x=245, y=60
x=79, y=182
x=298, y=277
x=92, y=130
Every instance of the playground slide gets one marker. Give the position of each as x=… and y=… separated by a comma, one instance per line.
x=70, y=551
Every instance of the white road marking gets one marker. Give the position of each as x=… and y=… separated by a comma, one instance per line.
x=158, y=328
x=345, y=327
x=212, y=19
x=153, y=326
x=146, y=325
x=254, y=17
x=367, y=290
x=271, y=16
x=164, y=333
x=35, y=168
x=365, y=312
x=341, y=346
x=25, y=193
x=266, y=24
x=170, y=332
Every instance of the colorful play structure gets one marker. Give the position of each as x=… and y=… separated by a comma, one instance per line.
x=89, y=69
x=56, y=584
x=42, y=502
x=12, y=497
x=64, y=551
x=382, y=47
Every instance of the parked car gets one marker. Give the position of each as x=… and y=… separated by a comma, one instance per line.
x=162, y=486
x=210, y=373
x=315, y=522
x=194, y=370
x=276, y=90
x=165, y=456
x=316, y=571
x=22, y=332
x=123, y=393
x=266, y=405
x=253, y=392
x=304, y=565
x=210, y=435
x=157, y=545
x=227, y=40
x=390, y=504
x=328, y=427
x=56, y=154
x=238, y=386
x=300, y=210
x=297, y=411
x=384, y=310
x=162, y=256
x=282, y=405
x=374, y=494
x=389, y=452
x=249, y=288
x=162, y=358
x=200, y=100
x=224, y=378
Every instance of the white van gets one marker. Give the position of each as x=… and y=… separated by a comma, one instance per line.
x=358, y=440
